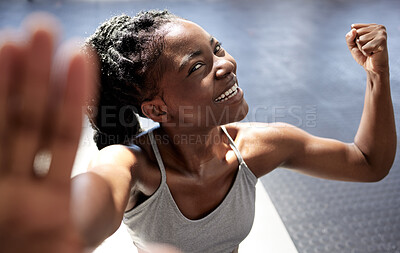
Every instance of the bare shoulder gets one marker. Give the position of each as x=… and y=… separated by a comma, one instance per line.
x=130, y=165
x=117, y=165
x=264, y=146
x=136, y=155
x=258, y=133
x=121, y=156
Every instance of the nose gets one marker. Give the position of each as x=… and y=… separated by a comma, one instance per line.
x=223, y=68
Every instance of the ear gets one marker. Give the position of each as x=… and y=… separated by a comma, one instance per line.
x=155, y=109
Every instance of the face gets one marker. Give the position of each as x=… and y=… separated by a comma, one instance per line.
x=199, y=86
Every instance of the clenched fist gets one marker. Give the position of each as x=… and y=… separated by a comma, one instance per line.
x=367, y=44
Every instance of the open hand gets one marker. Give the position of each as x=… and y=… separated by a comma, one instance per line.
x=40, y=113
x=367, y=44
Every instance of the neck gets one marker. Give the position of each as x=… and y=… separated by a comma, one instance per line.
x=196, y=146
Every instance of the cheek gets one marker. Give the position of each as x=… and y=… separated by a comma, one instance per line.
x=196, y=96
x=188, y=102
x=199, y=92
x=231, y=59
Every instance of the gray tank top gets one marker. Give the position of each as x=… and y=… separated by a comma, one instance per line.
x=159, y=220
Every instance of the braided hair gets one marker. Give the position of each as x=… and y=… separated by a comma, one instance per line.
x=128, y=49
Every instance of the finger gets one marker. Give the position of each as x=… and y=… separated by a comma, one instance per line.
x=8, y=54
x=359, y=46
x=372, y=42
x=361, y=25
x=68, y=125
x=351, y=43
x=365, y=30
x=350, y=39
x=33, y=97
x=44, y=20
x=372, y=47
x=11, y=101
x=366, y=37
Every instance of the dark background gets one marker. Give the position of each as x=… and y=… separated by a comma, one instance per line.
x=294, y=66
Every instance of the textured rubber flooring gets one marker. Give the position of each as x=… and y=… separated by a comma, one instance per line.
x=323, y=86
x=295, y=67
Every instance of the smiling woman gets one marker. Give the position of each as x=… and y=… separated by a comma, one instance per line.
x=189, y=183
x=198, y=71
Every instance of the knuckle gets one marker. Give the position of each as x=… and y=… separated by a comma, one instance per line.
x=383, y=38
x=364, y=47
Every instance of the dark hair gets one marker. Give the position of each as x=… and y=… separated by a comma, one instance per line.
x=128, y=49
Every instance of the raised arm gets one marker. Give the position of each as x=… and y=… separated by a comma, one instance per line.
x=100, y=196
x=371, y=155
x=41, y=210
x=376, y=135
x=40, y=125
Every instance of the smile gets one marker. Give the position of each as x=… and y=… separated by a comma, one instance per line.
x=227, y=94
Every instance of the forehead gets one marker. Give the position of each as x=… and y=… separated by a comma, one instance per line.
x=183, y=29
x=183, y=37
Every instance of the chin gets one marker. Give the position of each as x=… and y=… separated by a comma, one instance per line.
x=241, y=112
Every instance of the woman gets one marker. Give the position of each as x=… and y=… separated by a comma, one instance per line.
x=188, y=183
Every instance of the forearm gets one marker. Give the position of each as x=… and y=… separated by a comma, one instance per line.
x=376, y=136
x=93, y=208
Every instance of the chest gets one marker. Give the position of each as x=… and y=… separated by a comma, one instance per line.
x=220, y=229
x=196, y=198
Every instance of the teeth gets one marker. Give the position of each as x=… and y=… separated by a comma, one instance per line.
x=233, y=94
x=227, y=94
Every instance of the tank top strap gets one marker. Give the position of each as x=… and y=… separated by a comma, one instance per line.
x=253, y=178
x=233, y=146
x=158, y=156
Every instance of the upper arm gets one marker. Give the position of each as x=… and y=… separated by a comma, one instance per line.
x=115, y=165
x=284, y=145
x=99, y=196
x=326, y=158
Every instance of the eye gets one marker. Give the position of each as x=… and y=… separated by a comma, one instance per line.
x=195, y=67
x=218, y=47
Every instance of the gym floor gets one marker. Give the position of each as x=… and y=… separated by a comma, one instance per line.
x=294, y=66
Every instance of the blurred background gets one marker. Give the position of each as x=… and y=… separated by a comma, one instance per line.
x=294, y=66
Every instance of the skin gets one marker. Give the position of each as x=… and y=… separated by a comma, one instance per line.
x=99, y=198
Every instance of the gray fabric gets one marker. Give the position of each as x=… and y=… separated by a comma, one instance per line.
x=159, y=220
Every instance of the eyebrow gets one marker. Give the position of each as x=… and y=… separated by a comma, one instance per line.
x=188, y=57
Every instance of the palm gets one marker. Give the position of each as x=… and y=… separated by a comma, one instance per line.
x=31, y=210
x=35, y=207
